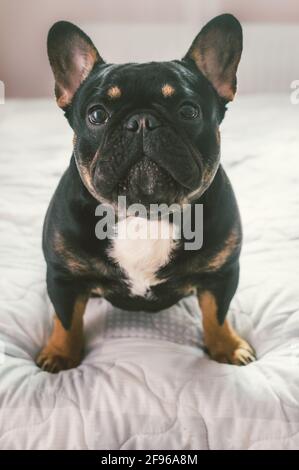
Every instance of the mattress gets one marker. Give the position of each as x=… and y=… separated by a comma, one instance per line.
x=145, y=381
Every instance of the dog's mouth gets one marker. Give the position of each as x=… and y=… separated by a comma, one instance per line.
x=147, y=183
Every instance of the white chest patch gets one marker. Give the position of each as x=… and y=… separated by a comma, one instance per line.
x=141, y=247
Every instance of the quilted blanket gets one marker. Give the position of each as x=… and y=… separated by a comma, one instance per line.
x=145, y=381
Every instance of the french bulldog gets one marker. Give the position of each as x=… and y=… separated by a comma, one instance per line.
x=149, y=133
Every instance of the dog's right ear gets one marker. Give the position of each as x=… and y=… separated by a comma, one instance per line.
x=72, y=56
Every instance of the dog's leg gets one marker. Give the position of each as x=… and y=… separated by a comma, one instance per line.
x=222, y=341
x=65, y=345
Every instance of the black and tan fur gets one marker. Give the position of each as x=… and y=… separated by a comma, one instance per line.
x=148, y=150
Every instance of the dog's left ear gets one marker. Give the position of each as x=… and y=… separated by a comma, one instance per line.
x=72, y=56
x=216, y=51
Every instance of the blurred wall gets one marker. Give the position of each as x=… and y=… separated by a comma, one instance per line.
x=122, y=30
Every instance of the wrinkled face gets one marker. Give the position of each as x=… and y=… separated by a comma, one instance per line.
x=150, y=131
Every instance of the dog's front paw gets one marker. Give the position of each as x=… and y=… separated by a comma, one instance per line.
x=240, y=354
x=51, y=360
x=243, y=355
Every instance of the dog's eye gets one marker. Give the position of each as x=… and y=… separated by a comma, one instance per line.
x=97, y=115
x=188, y=111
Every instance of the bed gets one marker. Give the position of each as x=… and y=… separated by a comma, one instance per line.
x=145, y=381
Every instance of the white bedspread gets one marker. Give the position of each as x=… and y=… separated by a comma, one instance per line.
x=145, y=382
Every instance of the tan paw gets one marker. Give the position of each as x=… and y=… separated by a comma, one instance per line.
x=50, y=360
x=243, y=355
x=240, y=355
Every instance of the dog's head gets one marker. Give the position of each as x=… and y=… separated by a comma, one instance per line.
x=150, y=131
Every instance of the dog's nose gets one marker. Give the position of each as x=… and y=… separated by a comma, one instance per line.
x=137, y=122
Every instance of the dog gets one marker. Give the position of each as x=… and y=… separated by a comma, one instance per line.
x=150, y=133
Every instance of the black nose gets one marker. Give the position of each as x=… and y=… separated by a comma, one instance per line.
x=137, y=122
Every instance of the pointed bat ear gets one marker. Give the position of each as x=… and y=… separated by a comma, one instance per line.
x=216, y=51
x=72, y=56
